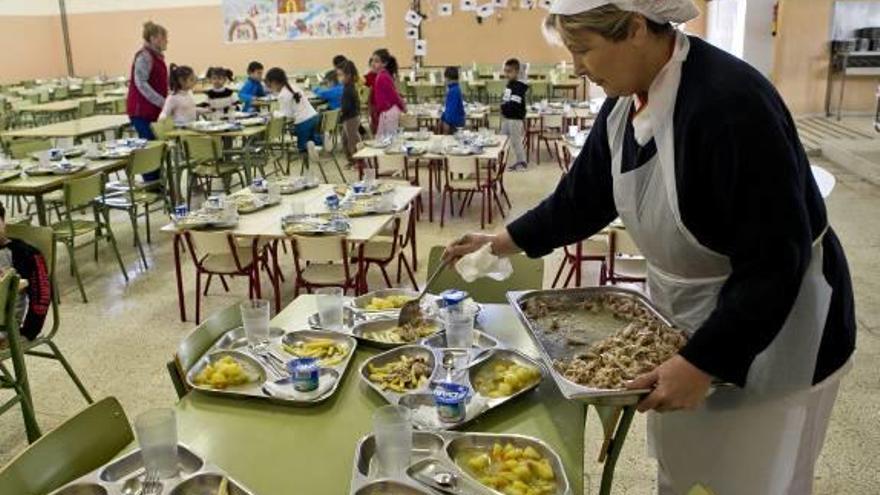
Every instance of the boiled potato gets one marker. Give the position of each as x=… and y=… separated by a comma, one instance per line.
x=511, y=470
x=387, y=303
x=505, y=378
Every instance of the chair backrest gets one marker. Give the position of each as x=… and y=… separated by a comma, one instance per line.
x=329, y=121
x=86, y=108
x=320, y=249
x=194, y=345
x=622, y=243
x=41, y=239
x=22, y=148
x=539, y=89
x=119, y=106
x=528, y=274
x=80, y=445
x=409, y=121
x=204, y=243
x=8, y=299
x=462, y=167
x=275, y=130
x=202, y=148
x=60, y=93
x=391, y=164
x=552, y=121
x=495, y=88
x=147, y=159
x=161, y=128
x=424, y=91
x=82, y=191
x=88, y=88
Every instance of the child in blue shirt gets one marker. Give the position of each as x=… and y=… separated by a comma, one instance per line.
x=453, y=113
x=253, y=87
x=330, y=90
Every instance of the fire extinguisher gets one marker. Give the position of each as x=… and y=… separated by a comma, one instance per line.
x=775, y=24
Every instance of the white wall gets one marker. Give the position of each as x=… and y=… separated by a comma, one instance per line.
x=758, y=41
x=50, y=7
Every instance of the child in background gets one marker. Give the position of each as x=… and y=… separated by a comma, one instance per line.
x=330, y=90
x=33, y=303
x=338, y=61
x=513, y=112
x=180, y=106
x=221, y=100
x=386, y=105
x=453, y=113
x=295, y=107
x=350, y=109
x=253, y=87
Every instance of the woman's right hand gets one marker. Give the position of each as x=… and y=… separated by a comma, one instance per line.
x=466, y=245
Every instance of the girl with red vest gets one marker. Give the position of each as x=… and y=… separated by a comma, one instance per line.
x=386, y=105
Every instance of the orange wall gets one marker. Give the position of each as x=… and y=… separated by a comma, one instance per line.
x=32, y=48
x=105, y=42
x=800, y=70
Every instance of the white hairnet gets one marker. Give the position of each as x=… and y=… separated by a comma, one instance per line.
x=662, y=11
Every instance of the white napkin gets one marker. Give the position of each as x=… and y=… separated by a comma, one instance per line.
x=482, y=263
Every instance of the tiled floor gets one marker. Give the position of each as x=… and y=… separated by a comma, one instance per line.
x=120, y=341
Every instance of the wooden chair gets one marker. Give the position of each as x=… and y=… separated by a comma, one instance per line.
x=17, y=381
x=82, y=194
x=594, y=249
x=324, y=261
x=316, y=158
x=194, y=345
x=532, y=127
x=80, y=445
x=129, y=197
x=330, y=134
x=539, y=90
x=41, y=239
x=386, y=248
x=220, y=253
x=495, y=89
x=528, y=274
x=625, y=262
x=205, y=163
x=464, y=175
x=86, y=109
x=551, y=131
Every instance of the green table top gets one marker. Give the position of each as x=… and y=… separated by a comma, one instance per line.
x=280, y=450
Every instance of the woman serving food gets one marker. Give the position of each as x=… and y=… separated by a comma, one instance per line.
x=698, y=155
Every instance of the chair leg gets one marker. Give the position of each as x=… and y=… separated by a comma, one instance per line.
x=409, y=272
x=147, y=223
x=223, y=281
x=208, y=284
x=198, y=296
x=443, y=207
x=137, y=237
x=73, y=376
x=385, y=275
x=559, y=272
x=112, y=239
x=339, y=169
x=74, y=269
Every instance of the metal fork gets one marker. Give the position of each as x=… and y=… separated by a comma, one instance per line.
x=151, y=483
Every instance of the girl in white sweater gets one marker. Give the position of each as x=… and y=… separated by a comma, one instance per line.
x=295, y=107
x=180, y=106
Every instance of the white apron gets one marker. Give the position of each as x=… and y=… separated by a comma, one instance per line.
x=763, y=439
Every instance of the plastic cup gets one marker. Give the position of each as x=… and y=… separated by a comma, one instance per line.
x=255, y=318
x=329, y=300
x=459, y=324
x=369, y=177
x=392, y=430
x=156, y=432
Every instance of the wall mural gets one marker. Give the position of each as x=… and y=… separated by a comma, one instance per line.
x=248, y=21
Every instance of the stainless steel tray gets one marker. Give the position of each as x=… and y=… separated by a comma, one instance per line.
x=421, y=400
x=569, y=389
x=196, y=477
x=434, y=453
x=273, y=383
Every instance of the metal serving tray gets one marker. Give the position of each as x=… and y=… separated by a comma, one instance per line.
x=434, y=453
x=569, y=389
x=421, y=400
x=195, y=477
x=273, y=382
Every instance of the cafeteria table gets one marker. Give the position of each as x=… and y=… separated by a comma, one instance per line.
x=266, y=223
x=278, y=450
x=76, y=129
x=39, y=185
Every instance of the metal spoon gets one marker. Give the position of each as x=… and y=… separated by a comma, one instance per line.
x=445, y=479
x=412, y=310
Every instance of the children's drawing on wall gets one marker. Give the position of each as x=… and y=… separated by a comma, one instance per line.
x=279, y=20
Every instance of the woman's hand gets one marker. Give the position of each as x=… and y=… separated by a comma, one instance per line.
x=467, y=245
x=677, y=385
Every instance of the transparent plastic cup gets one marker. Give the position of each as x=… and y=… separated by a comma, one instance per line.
x=329, y=301
x=255, y=319
x=459, y=324
x=392, y=430
x=156, y=431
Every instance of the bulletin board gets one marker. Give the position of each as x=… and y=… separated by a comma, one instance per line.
x=249, y=21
